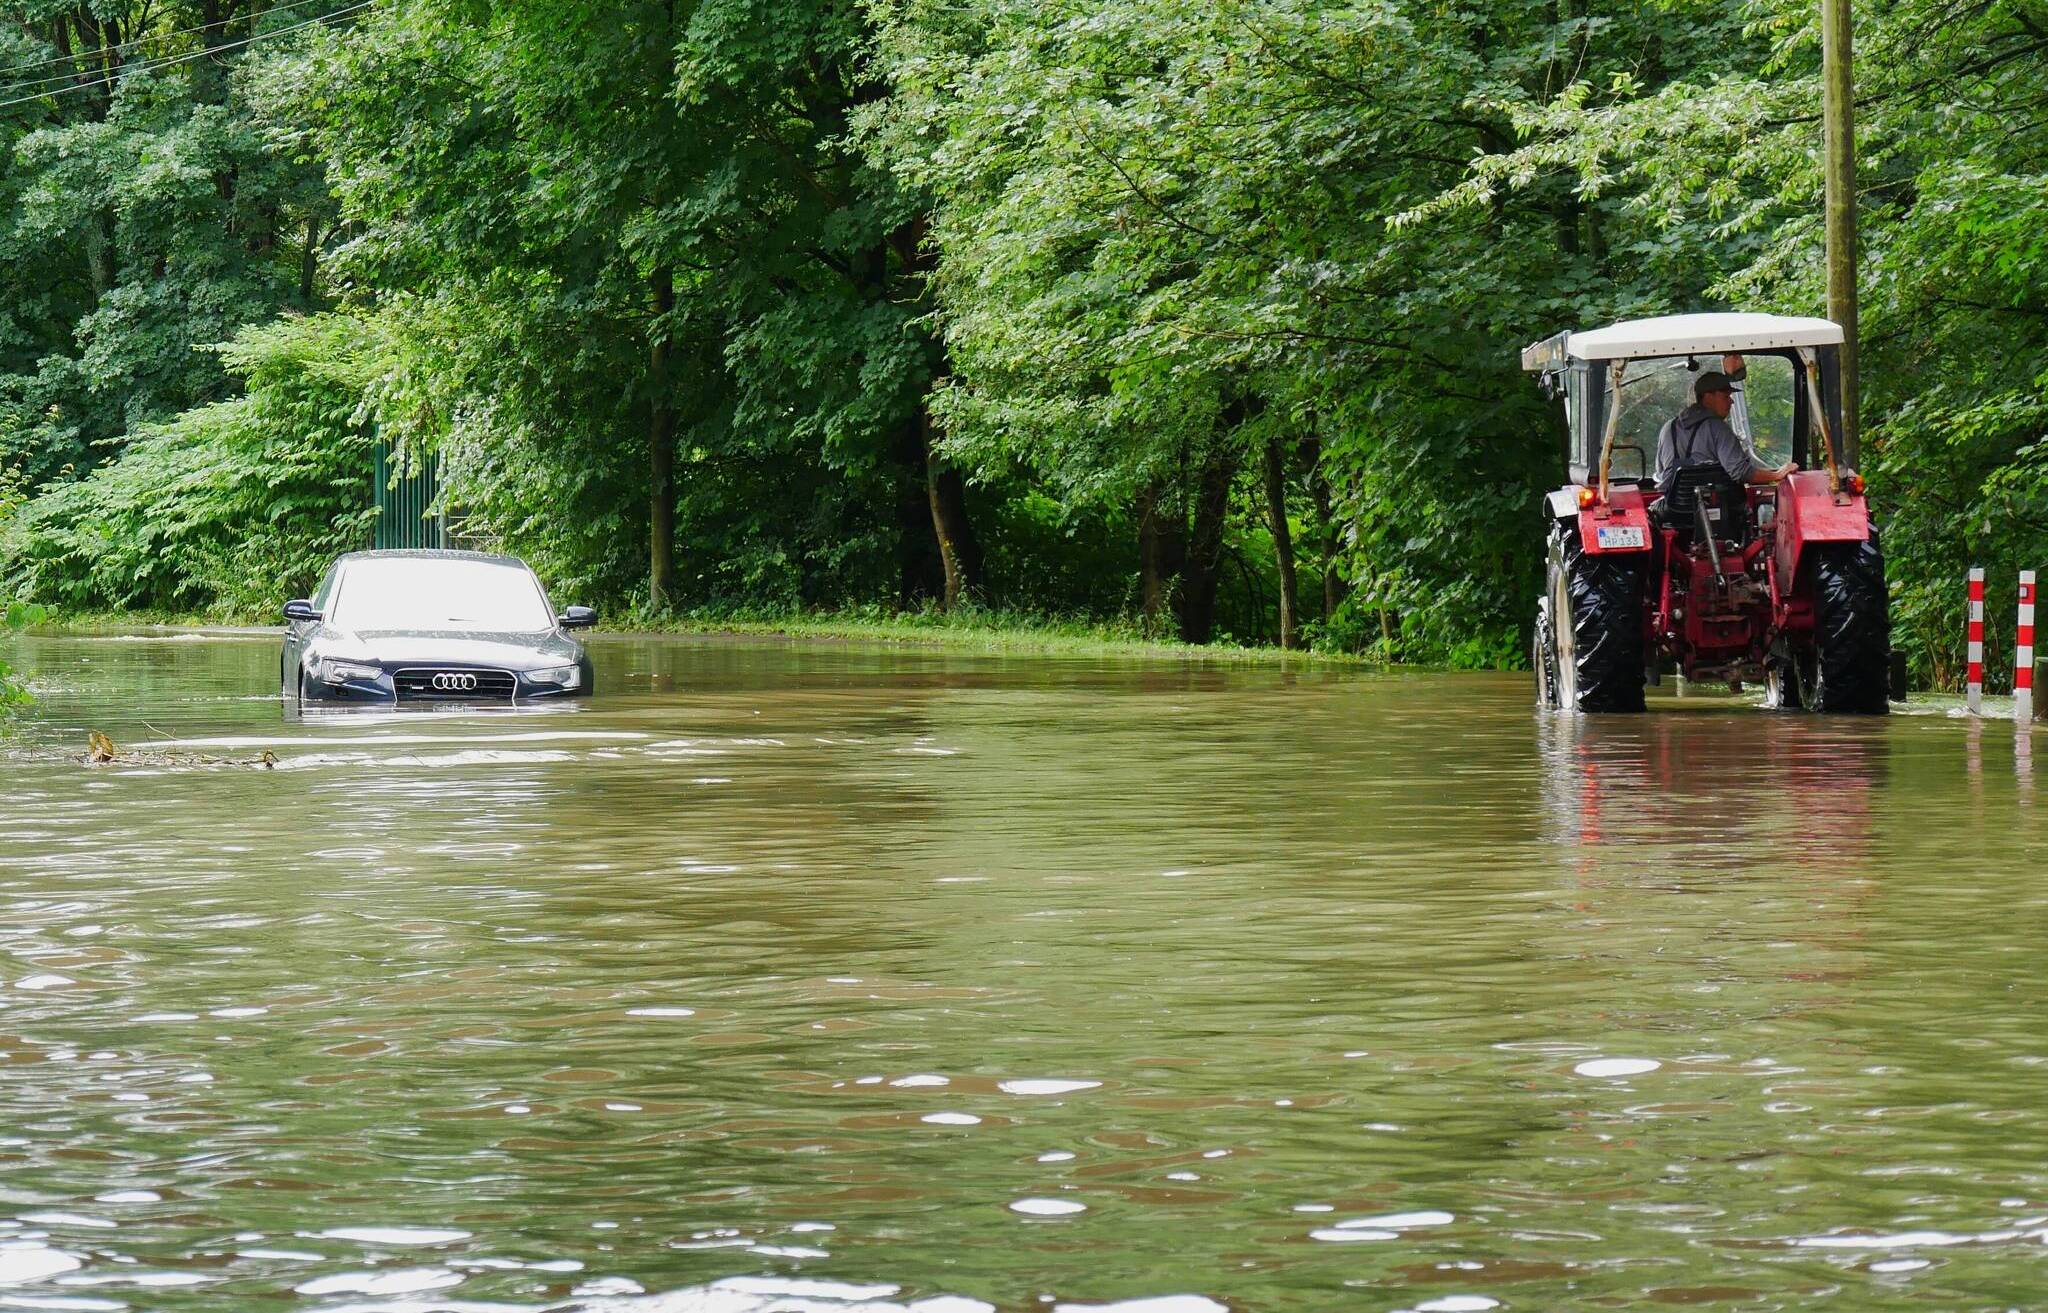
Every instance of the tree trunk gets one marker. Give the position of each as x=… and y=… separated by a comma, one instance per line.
x=1334, y=588
x=945, y=492
x=1162, y=550
x=101, y=254
x=919, y=571
x=1205, y=546
x=959, y=551
x=309, y=264
x=1567, y=214
x=1283, y=539
x=661, y=449
x=97, y=54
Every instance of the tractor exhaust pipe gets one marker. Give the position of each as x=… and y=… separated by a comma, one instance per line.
x=1699, y=510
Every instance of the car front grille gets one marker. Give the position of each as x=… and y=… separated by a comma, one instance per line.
x=431, y=684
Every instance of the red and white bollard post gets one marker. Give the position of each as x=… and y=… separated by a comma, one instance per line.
x=2023, y=655
x=1974, y=684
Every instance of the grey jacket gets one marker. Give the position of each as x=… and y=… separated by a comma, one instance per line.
x=1697, y=436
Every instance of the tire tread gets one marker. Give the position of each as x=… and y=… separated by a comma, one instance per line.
x=1606, y=595
x=1852, y=629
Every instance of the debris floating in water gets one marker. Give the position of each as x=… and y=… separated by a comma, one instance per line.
x=100, y=751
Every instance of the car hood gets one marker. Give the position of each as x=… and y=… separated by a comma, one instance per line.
x=457, y=648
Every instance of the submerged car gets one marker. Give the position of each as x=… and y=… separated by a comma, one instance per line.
x=431, y=626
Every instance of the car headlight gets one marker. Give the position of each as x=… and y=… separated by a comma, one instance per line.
x=348, y=672
x=560, y=676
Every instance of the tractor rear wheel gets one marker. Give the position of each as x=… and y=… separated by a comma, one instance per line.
x=1596, y=609
x=1850, y=670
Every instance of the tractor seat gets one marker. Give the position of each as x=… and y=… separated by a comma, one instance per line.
x=1709, y=485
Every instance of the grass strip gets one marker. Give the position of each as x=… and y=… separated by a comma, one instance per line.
x=967, y=629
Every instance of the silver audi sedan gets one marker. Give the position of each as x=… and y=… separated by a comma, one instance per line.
x=431, y=626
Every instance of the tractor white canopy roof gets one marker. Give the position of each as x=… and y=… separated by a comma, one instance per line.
x=1702, y=335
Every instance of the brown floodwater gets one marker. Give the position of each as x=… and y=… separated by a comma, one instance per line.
x=829, y=977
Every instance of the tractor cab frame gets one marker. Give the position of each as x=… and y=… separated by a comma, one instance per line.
x=1579, y=367
x=1780, y=584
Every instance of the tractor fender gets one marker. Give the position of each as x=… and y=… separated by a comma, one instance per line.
x=1808, y=513
x=1618, y=526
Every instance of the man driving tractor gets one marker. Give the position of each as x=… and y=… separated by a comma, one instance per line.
x=1701, y=435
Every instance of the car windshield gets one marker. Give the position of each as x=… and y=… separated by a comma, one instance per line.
x=398, y=592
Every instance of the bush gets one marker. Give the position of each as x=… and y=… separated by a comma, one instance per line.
x=1959, y=482
x=226, y=509
x=15, y=615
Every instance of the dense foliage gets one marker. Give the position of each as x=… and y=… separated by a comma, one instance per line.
x=143, y=216
x=13, y=690
x=1202, y=314
x=14, y=615
x=1168, y=254
x=224, y=507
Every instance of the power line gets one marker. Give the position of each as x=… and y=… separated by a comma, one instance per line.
x=152, y=37
x=150, y=65
x=92, y=78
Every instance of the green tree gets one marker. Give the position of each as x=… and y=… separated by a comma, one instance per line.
x=14, y=692
x=1171, y=251
x=142, y=215
x=649, y=260
x=226, y=508
x=14, y=615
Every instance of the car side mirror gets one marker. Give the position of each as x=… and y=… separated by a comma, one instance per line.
x=300, y=610
x=578, y=617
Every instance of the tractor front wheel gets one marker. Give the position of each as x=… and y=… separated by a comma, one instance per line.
x=1782, y=679
x=1543, y=660
x=1850, y=670
x=1596, y=612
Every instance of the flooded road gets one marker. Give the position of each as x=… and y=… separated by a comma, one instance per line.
x=825, y=977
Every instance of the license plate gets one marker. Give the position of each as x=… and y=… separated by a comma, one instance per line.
x=1620, y=535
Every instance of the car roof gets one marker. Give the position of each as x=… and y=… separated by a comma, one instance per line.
x=430, y=554
x=1684, y=335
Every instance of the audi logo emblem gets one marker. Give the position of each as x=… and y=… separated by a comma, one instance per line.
x=455, y=683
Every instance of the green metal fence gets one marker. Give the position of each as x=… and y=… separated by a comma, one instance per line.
x=404, y=517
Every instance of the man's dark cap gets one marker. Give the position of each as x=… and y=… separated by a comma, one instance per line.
x=1712, y=381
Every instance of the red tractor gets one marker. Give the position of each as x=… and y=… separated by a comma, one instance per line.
x=1708, y=575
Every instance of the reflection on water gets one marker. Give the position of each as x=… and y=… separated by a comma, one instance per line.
x=824, y=977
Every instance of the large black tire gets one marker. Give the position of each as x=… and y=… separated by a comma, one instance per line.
x=1852, y=631
x=1596, y=604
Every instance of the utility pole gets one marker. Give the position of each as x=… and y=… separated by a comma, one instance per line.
x=1838, y=114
